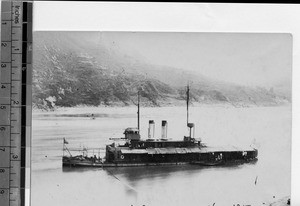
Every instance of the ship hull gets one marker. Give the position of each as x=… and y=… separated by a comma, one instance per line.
x=103, y=165
x=214, y=158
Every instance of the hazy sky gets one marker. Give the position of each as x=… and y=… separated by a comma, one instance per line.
x=248, y=59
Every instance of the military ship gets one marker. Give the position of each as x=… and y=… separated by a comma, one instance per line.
x=152, y=151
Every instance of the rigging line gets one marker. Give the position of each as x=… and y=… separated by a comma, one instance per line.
x=121, y=181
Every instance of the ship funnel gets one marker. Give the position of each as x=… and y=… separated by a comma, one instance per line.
x=191, y=127
x=151, y=129
x=164, y=126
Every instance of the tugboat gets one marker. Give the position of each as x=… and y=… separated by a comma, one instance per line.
x=151, y=152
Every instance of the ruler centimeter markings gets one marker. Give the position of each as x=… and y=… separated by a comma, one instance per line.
x=15, y=102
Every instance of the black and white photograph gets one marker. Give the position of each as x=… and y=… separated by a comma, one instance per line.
x=161, y=117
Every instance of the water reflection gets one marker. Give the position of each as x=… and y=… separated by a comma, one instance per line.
x=79, y=169
x=134, y=174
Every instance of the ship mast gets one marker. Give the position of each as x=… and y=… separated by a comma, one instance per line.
x=138, y=112
x=187, y=104
x=189, y=125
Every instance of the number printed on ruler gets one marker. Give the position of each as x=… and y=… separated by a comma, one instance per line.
x=13, y=59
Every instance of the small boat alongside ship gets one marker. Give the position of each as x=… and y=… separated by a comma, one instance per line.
x=160, y=151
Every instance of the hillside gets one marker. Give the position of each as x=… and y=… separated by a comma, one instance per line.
x=78, y=68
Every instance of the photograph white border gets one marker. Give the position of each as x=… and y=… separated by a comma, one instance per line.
x=184, y=17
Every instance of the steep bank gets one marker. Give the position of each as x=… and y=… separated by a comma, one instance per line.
x=78, y=68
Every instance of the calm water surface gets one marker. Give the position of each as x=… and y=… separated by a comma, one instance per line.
x=267, y=128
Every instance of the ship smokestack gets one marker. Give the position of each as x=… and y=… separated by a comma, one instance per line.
x=192, y=129
x=151, y=129
x=164, y=127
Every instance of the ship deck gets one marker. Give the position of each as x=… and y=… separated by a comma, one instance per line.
x=184, y=150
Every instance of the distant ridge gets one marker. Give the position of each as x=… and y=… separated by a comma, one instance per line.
x=78, y=68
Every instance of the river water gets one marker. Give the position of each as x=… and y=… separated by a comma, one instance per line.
x=266, y=128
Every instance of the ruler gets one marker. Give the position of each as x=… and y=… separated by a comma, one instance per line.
x=15, y=102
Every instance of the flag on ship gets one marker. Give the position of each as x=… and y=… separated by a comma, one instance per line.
x=65, y=141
